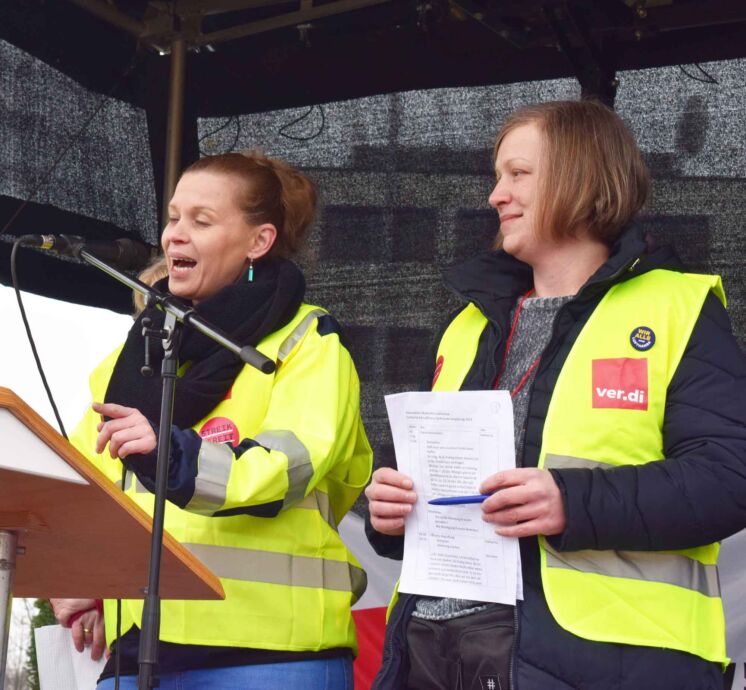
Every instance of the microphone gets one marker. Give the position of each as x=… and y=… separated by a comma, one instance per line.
x=124, y=253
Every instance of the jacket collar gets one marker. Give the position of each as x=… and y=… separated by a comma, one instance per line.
x=493, y=280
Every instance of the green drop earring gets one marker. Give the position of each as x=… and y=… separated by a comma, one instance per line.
x=250, y=274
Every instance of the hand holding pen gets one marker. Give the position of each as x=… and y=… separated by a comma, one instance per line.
x=525, y=502
x=522, y=502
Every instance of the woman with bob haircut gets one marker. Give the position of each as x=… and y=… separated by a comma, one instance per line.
x=628, y=389
x=262, y=468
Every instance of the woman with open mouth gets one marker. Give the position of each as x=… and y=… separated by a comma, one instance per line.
x=262, y=468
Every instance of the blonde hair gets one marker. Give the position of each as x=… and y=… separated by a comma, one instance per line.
x=150, y=275
x=594, y=177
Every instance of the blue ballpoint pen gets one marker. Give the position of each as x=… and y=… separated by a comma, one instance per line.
x=458, y=500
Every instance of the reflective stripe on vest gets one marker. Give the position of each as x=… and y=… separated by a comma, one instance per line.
x=300, y=469
x=297, y=333
x=670, y=568
x=129, y=477
x=213, y=470
x=318, y=500
x=607, y=409
x=254, y=565
x=651, y=566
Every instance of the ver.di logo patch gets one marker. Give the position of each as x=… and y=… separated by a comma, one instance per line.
x=642, y=338
x=620, y=383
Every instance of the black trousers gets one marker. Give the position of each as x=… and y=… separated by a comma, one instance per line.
x=467, y=653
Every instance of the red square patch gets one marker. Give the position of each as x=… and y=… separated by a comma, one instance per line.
x=620, y=383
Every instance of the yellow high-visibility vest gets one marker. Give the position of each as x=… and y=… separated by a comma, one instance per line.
x=289, y=580
x=607, y=409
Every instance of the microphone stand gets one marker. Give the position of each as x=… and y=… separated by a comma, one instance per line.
x=147, y=656
x=177, y=315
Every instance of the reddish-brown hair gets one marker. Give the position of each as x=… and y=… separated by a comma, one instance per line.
x=271, y=192
x=594, y=177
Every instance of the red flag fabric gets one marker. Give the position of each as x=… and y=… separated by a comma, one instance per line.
x=370, y=611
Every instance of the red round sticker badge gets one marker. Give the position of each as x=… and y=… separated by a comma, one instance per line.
x=438, y=367
x=220, y=430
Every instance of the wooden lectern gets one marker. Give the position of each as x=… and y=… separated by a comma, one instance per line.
x=67, y=531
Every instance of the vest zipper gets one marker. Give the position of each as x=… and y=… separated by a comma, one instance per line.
x=608, y=283
x=516, y=630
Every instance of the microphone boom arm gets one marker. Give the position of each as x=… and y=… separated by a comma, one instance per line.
x=183, y=313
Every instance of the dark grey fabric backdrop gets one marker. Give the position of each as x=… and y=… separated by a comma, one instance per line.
x=107, y=175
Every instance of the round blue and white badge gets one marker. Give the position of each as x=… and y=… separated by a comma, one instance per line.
x=642, y=338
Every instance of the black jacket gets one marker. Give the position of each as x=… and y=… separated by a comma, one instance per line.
x=695, y=496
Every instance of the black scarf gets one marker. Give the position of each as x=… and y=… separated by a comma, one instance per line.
x=247, y=312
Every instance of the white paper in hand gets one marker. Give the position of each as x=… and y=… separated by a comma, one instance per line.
x=448, y=443
x=61, y=666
